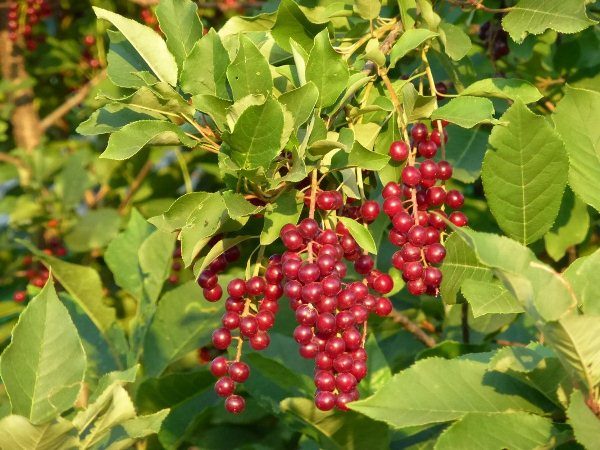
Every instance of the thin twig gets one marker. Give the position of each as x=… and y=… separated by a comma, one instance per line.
x=137, y=182
x=412, y=327
x=71, y=102
x=311, y=212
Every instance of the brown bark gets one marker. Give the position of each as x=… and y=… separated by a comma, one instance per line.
x=24, y=119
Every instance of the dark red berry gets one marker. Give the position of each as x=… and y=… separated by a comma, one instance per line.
x=239, y=371
x=224, y=387
x=235, y=404
x=221, y=338
x=399, y=150
x=411, y=176
x=325, y=401
x=218, y=366
x=418, y=132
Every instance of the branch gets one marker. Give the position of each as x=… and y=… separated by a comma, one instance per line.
x=139, y=179
x=412, y=327
x=71, y=102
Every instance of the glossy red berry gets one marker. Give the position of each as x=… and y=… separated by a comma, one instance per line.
x=411, y=176
x=325, y=401
x=392, y=206
x=239, y=371
x=221, y=338
x=235, y=404
x=207, y=279
x=444, y=170
x=20, y=296
x=459, y=219
x=427, y=149
x=383, y=284
x=260, y=340
x=224, y=387
x=383, y=306
x=369, y=211
x=391, y=189
x=324, y=381
x=214, y=294
x=236, y=288
x=399, y=150
x=418, y=132
x=292, y=240
x=218, y=366
x=455, y=199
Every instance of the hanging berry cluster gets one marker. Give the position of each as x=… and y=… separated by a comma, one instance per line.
x=416, y=208
x=24, y=19
x=250, y=309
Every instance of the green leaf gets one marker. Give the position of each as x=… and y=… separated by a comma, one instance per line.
x=506, y=88
x=461, y=263
x=408, y=41
x=524, y=174
x=490, y=431
x=124, y=62
x=215, y=107
x=249, y=73
x=379, y=371
x=178, y=213
x=18, y=433
x=326, y=68
x=367, y=9
x=389, y=134
x=408, y=13
x=456, y=42
x=466, y=152
x=130, y=139
x=576, y=118
x=300, y=102
x=73, y=180
x=205, y=69
x=360, y=233
x=217, y=250
x=570, y=228
x=121, y=255
x=109, y=119
x=84, y=285
x=466, y=111
x=158, y=100
x=489, y=298
x=286, y=209
x=585, y=423
x=583, y=276
x=374, y=53
x=181, y=25
x=336, y=431
x=576, y=341
x=417, y=106
x=520, y=359
x=182, y=323
x=536, y=16
x=147, y=43
x=94, y=230
x=428, y=398
x=256, y=139
x=291, y=22
x=359, y=156
x=238, y=207
x=44, y=365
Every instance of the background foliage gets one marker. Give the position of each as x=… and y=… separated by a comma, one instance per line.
x=108, y=155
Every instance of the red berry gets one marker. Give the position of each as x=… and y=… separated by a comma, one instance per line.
x=432, y=276
x=435, y=136
x=391, y=190
x=325, y=401
x=239, y=371
x=399, y=150
x=418, y=132
x=383, y=283
x=392, y=205
x=383, y=306
x=230, y=320
x=293, y=240
x=207, y=279
x=214, y=294
x=436, y=196
x=429, y=169
x=345, y=382
x=459, y=219
x=255, y=286
x=435, y=253
x=235, y=404
x=20, y=296
x=260, y=340
x=444, y=170
x=265, y=319
x=417, y=235
x=335, y=346
x=455, y=199
x=411, y=176
x=221, y=338
x=308, y=228
x=427, y=149
x=352, y=339
x=224, y=387
x=218, y=366
x=369, y=210
x=324, y=381
x=416, y=287
x=403, y=222
x=236, y=288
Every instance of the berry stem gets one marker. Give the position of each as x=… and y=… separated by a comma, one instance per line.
x=311, y=212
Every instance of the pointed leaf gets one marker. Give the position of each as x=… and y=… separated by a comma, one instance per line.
x=524, y=174
x=181, y=25
x=507, y=88
x=360, y=233
x=286, y=209
x=249, y=73
x=18, y=433
x=147, y=43
x=585, y=423
x=292, y=23
x=44, y=365
x=466, y=111
x=456, y=42
x=408, y=41
x=205, y=69
x=489, y=298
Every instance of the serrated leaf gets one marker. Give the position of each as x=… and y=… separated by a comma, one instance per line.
x=428, y=398
x=360, y=233
x=461, y=263
x=94, y=230
x=215, y=107
x=43, y=378
x=181, y=25
x=489, y=298
x=130, y=139
x=417, y=106
x=84, y=285
x=520, y=359
x=536, y=16
x=576, y=118
x=507, y=88
x=249, y=72
x=586, y=425
x=583, y=277
x=124, y=62
x=291, y=22
x=524, y=174
x=326, y=68
x=18, y=433
x=256, y=139
x=408, y=41
x=485, y=431
x=466, y=152
x=300, y=102
x=147, y=43
x=182, y=323
x=571, y=226
x=367, y=9
x=109, y=119
x=121, y=255
x=576, y=341
x=456, y=42
x=286, y=209
x=466, y=111
x=205, y=69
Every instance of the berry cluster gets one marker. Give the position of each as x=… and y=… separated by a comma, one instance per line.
x=416, y=208
x=34, y=272
x=209, y=278
x=176, y=265
x=89, y=41
x=329, y=311
x=23, y=19
x=260, y=294
x=495, y=39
